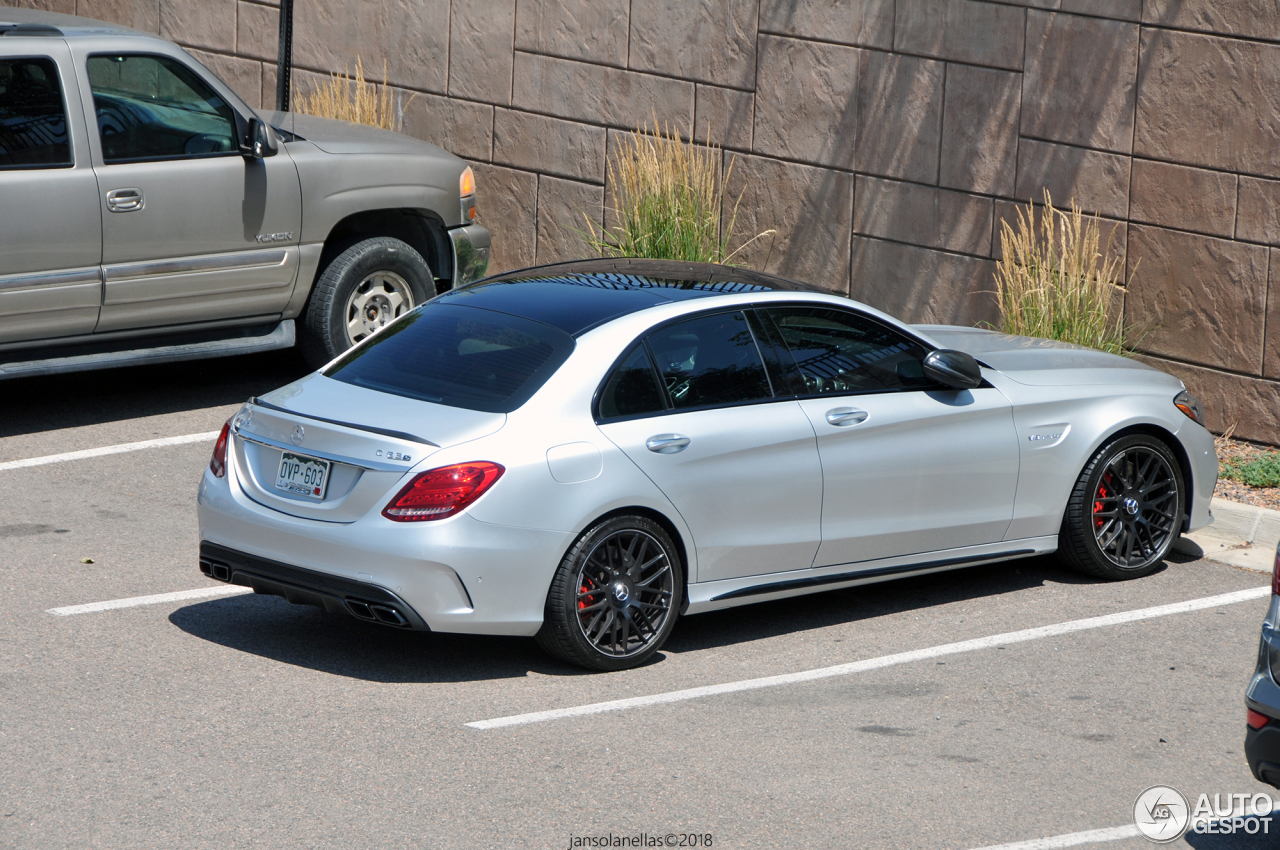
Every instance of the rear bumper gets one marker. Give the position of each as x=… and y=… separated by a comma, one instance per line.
x=307, y=587
x=470, y=253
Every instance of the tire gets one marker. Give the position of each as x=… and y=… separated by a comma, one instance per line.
x=360, y=290
x=615, y=596
x=1125, y=510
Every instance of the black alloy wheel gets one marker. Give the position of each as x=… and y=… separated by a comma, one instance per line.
x=615, y=597
x=1125, y=511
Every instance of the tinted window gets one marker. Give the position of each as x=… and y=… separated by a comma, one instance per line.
x=33, y=119
x=710, y=360
x=459, y=356
x=153, y=107
x=837, y=351
x=632, y=389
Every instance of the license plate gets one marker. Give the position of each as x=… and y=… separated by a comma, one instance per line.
x=303, y=476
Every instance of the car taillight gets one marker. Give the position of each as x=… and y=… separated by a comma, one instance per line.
x=218, y=463
x=443, y=492
x=1256, y=720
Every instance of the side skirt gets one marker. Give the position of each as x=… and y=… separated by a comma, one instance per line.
x=711, y=596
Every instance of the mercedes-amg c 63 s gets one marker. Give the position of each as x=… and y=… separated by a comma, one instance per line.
x=586, y=451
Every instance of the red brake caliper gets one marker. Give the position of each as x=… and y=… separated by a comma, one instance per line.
x=1097, y=506
x=586, y=600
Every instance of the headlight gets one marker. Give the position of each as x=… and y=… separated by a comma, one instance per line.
x=1191, y=406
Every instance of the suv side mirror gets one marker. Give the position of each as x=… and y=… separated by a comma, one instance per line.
x=955, y=369
x=259, y=141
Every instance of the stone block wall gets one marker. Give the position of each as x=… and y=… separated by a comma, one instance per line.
x=884, y=140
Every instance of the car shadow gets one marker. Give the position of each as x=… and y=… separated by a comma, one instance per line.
x=114, y=395
x=270, y=627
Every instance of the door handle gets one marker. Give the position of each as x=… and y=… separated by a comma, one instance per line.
x=124, y=200
x=846, y=416
x=667, y=444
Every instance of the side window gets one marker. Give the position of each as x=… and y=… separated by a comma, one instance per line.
x=33, y=117
x=154, y=107
x=710, y=360
x=633, y=388
x=837, y=351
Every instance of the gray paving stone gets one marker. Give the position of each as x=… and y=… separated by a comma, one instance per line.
x=1184, y=198
x=980, y=130
x=1209, y=101
x=922, y=285
x=463, y=128
x=600, y=95
x=1199, y=299
x=1097, y=181
x=724, y=117
x=962, y=31
x=711, y=41
x=899, y=116
x=257, y=31
x=590, y=30
x=411, y=35
x=1079, y=84
x=806, y=101
x=1258, y=211
x=508, y=201
x=209, y=24
x=480, y=49
x=1252, y=18
x=863, y=23
x=563, y=209
x=923, y=215
x=549, y=145
x=811, y=210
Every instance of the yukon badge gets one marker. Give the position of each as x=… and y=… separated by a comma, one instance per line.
x=266, y=238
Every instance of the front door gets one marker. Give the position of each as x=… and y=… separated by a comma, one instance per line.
x=741, y=468
x=192, y=230
x=50, y=227
x=908, y=467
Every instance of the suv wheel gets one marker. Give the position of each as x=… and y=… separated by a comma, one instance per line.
x=362, y=289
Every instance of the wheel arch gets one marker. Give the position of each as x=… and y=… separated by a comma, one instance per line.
x=668, y=526
x=1174, y=445
x=421, y=229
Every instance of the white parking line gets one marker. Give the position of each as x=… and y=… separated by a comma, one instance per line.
x=113, y=604
x=110, y=450
x=1073, y=839
x=877, y=663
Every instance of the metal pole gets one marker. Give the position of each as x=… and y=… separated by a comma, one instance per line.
x=284, y=60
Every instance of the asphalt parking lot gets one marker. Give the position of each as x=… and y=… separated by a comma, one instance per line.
x=241, y=721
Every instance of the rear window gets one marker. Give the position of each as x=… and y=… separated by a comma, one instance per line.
x=460, y=356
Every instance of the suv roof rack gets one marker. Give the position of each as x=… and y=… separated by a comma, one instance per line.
x=29, y=29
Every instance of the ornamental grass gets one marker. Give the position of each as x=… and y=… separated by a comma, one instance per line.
x=352, y=98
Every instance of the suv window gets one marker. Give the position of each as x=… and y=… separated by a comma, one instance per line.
x=837, y=351
x=33, y=118
x=154, y=107
x=710, y=360
x=632, y=389
x=460, y=356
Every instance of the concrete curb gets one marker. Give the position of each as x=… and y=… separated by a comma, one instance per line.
x=1240, y=535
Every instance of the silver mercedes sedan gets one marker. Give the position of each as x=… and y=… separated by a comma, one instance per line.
x=584, y=452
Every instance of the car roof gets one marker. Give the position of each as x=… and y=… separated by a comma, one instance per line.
x=579, y=295
x=37, y=22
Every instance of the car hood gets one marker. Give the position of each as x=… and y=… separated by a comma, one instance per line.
x=333, y=136
x=1044, y=362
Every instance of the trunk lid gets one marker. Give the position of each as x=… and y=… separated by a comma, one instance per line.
x=354, y=444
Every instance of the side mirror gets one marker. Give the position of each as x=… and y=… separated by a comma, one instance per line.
x=260, y=140
x=955, y=369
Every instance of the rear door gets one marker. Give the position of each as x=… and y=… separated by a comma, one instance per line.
x=908, y=466
x=50, y=227
x=692, y=406
x=192, y=230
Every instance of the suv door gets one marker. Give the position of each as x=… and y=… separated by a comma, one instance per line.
x=192, y=230
x=50, y=228
x=908, y=466
x=741, y=467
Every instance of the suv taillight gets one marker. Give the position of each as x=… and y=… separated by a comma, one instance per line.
x=218, y=463
x=443, y=492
